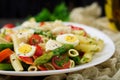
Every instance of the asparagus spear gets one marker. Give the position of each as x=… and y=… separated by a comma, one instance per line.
x=6, y=66
x=47, y=56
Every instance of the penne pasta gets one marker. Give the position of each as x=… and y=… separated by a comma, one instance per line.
x=16, y=41
x=79, y=32
x=87, y=57
x=85, y=40
x=32, y=68
x=16, y=63
x=100, y=44
x=73, y=53
x=72, y=63
x=49, y=66
x=87, y=48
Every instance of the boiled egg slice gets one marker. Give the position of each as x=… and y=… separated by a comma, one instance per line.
x=68, y=39
x=25, y=50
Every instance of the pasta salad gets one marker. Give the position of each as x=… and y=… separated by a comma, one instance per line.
x=45, y=46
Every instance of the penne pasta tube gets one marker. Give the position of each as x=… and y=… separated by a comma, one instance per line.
x=87, y=47
x=73, y=53
x=100, y=44
x=85, y=40
x=32, y=68
x=15, y=40
x=87, y=57
x=49, y=66
x=72, y=63
x=79, y=32
x=16, y=63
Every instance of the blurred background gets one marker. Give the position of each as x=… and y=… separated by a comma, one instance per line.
x=19, y=10
x=24, y=8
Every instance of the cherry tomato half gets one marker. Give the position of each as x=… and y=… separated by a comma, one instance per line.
x=35, y=39
x=9, y=25
x=27, y=60
x=39, y=51
x=61, y=62
x=41, y=68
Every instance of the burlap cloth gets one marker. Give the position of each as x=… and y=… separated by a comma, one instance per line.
x=108, y=70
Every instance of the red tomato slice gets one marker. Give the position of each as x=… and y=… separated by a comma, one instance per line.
x=60, y=62
x=9, y=25
x=27, y=60
x=76, y=28
x=42, y=68
x=35, y=39
x=39, y=51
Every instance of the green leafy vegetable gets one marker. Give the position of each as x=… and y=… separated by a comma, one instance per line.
x=63, y=60
x=43, y=15
x=77, y=59
x=60, y=12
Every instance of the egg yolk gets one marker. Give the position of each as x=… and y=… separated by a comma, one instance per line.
x=24, y=49
x=70, y=38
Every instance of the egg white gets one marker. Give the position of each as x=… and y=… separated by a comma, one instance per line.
x=29, y=54
x=61, y=39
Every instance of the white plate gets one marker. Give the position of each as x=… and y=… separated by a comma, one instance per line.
x=98, y=58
